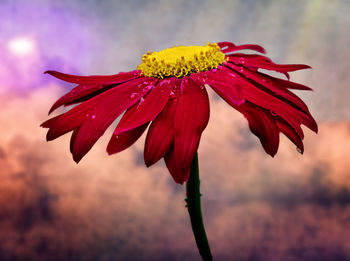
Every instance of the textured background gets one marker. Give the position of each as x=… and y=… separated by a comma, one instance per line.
x=291, y=207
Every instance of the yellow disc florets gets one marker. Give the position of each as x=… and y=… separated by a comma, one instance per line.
x=180, y=61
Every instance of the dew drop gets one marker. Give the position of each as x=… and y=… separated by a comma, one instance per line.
x=241, y=60
x=273, y=113
x=87, y=115
x=93, y=116
x=215, y=70
x=172, y=94
x=117, y=137
x=147, y=88
x=299, y=150
x=133, y=95
x=241, y=69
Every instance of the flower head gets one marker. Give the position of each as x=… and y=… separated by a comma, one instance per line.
x=168, y=93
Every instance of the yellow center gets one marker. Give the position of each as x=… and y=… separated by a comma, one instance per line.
x=181, y=61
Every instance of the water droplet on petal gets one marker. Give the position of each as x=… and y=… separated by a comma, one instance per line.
x=241, y=60
x=133, y=95
x=273, y=113
x=87, y=115
x=93, y=116
x=299, y=150
x=117, y=137
x=241, y=69
x=214, y=70
x=172, y=94
x=147, y=88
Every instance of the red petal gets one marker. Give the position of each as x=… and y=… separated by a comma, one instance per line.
x=160, y=135
x=149, y=108
x=262, y=124
x=242, y=57
x=72, y=139
x=179, y=174
x=221, y=83
x=89, y=86
x=106, y=112
x=95, y=115
x=287, y=130
x=269, y=66
x=191, y=118
x=124, y=140
x=76, y=93
x=96, y=79
x=287, y=84
x=253, y=47
x=116, y=98
x=225, y=45
x=292, y=115
x=273, y=88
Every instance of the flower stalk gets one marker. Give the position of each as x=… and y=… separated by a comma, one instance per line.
x=193, y=201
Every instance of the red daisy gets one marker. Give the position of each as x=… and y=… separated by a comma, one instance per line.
x=168, y=92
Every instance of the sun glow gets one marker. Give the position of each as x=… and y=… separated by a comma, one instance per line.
x=21, y=46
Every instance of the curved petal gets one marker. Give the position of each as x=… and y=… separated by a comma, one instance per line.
x=191, y=118
x=290, y=133
x=160, y=135
x=113, y=101
x=286, y=83
x=253, y=47
x=149, y=108
x=75, y=94
x=124, y=140
x=220, y=81
x=180, y=174
x=72, y=139
x=95, y=115
x=268, y=65
x=227, y=47
x=262, y=124
x=273, y=88
x=242, y=57
x=265, y=100
x=103, y=116
x=96, y=79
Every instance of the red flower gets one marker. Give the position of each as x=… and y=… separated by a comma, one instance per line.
x=168, y=91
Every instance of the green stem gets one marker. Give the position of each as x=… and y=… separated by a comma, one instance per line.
x=194, y=209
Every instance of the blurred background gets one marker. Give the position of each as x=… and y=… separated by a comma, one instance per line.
x=290, y=207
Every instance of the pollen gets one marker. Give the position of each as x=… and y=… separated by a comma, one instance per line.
x=180, y=61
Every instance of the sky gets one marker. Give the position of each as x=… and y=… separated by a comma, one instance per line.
x=290, y=207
